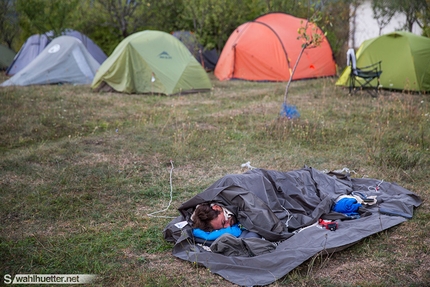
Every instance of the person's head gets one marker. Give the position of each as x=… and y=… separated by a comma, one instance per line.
x=209, y=217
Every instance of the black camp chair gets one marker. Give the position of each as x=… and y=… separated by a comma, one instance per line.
x=364, y=78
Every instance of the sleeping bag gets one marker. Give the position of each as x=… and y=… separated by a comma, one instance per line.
x=284, y=209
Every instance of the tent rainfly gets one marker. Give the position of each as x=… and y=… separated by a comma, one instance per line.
x=64, y=60
x=35, y=44
x=405, y=61
x=267, y=49
x=151, y=62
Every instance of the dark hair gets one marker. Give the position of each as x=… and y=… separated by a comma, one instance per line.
x=203, y=215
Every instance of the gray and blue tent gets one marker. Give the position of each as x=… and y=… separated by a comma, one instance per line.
x=35, y=44
x=65, y=60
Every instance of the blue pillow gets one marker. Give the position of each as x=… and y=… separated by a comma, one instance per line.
x=233, y=230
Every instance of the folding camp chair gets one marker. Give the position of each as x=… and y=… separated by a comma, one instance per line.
x=364, y=78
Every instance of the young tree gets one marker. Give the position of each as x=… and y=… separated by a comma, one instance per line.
x=311, y=37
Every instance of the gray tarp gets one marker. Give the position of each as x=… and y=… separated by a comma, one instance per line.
x=282, y=207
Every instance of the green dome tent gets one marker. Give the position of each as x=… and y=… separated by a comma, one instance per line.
x=405, y=61
x=151, y=62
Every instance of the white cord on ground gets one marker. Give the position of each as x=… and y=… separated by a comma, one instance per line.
x=375, y=188
x=247, y=165
x=345, y=169
x=171, y=198
x=306, y=227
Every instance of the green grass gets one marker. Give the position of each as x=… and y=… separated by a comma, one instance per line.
x=80, y=172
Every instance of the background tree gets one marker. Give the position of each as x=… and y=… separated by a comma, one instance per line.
x=334, y=21
x=213, y=21
x=382, y=13
x=41, y=16
x=124, y=16
x=298, y=8
x=167, y=15
x=8, y=23
x=425, y=19
x=91, y=20
x=108, y=22
x=411, y=9
x=353, y=16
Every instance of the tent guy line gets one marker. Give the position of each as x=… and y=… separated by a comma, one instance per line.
x=171, y=197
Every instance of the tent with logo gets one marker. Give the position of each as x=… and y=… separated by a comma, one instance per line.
x=151, y=62
x=6, y=57
x=35, y=44
x=64, y=60
x=405, y=61
x=267, y=48
x=208, y=58
x=282, y=212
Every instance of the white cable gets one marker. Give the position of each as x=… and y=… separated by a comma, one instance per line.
x=306, y=227
x=247, y=165
x=345, y=169
x=376, y=188
x=171, y=198
x=289, y=216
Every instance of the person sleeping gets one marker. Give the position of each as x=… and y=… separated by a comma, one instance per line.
x=211, y=220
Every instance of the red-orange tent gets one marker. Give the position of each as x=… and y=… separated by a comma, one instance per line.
x=267, y=48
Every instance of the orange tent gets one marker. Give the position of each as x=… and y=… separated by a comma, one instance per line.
x=267, y=48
